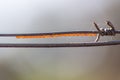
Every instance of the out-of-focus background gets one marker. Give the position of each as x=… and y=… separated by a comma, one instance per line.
x=29, y=16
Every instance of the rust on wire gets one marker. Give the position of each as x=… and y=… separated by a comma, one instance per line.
x=110, y=31
x=54, y=35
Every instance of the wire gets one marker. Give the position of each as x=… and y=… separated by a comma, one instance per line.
x=100, y=32
x=53, y=45
x=54, y=34
x=73, y=33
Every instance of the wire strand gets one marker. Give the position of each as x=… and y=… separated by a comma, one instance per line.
x=59, y=34
x=55, y=34
x=54, y=45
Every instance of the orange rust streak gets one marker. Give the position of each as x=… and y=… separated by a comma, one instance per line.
x=57, y=35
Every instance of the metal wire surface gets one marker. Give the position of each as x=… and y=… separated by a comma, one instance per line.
x=101, y=32
x=92, y=44
x=52, y=33
x=54, y=45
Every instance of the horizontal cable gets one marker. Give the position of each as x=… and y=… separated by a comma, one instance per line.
x=51, y=33
x=101, y=32
x=54, y=34
x=54, y=45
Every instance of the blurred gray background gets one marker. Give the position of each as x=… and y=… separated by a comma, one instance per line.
x=29, y=16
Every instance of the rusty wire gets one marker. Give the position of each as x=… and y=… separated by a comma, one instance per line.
x=100, y=31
